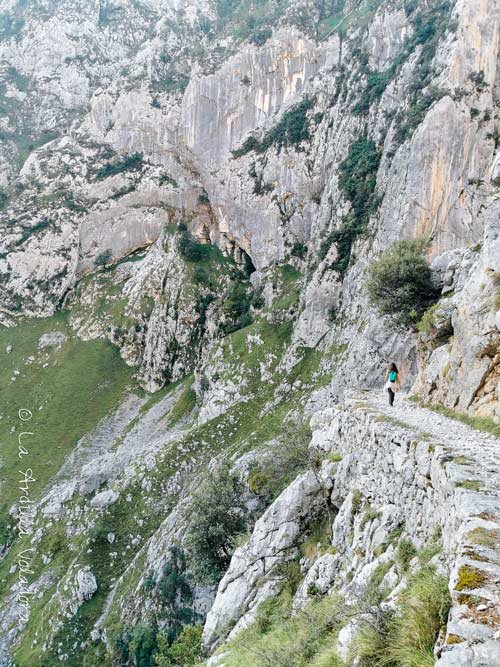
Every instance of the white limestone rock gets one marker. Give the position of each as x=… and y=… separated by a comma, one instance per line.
x=86, y=585
x=53, y=339
x=252, y=576
x=104, y=498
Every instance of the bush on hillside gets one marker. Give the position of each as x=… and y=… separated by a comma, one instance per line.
x=399, y=283
x=299, y=249
x=4, y=198
x=260, y=36
x=290, y=457
x=174, y=593
x=187, y=650
x=290, y=130
x=103, y=258
x=140, y=645
x=217, y=515
x=237, y=308
x=178, y=643
x=131, y=162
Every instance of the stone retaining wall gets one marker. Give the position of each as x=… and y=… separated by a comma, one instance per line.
x=425, y=482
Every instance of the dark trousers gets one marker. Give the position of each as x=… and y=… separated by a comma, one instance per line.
x=391, y=396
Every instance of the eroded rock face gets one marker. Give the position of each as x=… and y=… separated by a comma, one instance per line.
x=217, y=114
x=460, y=351
x=253, y=575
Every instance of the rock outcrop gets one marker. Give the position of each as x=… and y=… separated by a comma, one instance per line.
x=253, y=575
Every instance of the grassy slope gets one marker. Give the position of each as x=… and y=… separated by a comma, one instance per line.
x=81, y=383
x=308, y=638
x=242, y=427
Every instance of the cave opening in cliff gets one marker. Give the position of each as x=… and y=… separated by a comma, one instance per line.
x=247, y=264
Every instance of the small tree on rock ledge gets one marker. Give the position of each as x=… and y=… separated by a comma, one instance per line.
x=400, y=285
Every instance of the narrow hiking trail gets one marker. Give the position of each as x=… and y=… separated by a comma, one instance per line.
x=476, y=446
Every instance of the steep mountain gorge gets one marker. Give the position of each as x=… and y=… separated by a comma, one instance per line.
x=194, y=466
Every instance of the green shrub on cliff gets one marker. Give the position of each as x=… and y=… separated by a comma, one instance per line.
x=103, y=258
x=304, y=639
x=4, y=198
x=131, y=162
x=190, y=249
x=269, y=476
x=399, y=283
x=184, y=652
x=217, y=514
x=357, y=180
x=291, y=129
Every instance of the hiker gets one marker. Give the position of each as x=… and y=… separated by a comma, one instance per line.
x=392, y=381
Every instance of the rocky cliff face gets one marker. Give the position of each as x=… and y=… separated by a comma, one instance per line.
x=202, y=187
x=249, y=156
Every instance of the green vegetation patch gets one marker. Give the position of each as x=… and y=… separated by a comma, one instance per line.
x=191, y=250
x=63, y=409
x=32, y=231
x=357, y=180
x=407, y=637
x=428, y=29
x=404, y=554
x=107, y=305
x=4, y=198
x=26, y=143
x=427, y=552
x=318, y=540
x=305, y=639
x=217, y=514
x=429, y=319
x=399, y=283
x=369, y=515
x=132, y=162
x=250, y=20
x=134, y=514
x=291, y=130
x=344, y=19
x=470, y=485
x=290, y=457
x=236, y=430
x=287, y=282
x=186, y=403
x=179, y=641
x=484, y=537
x=470, y=578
